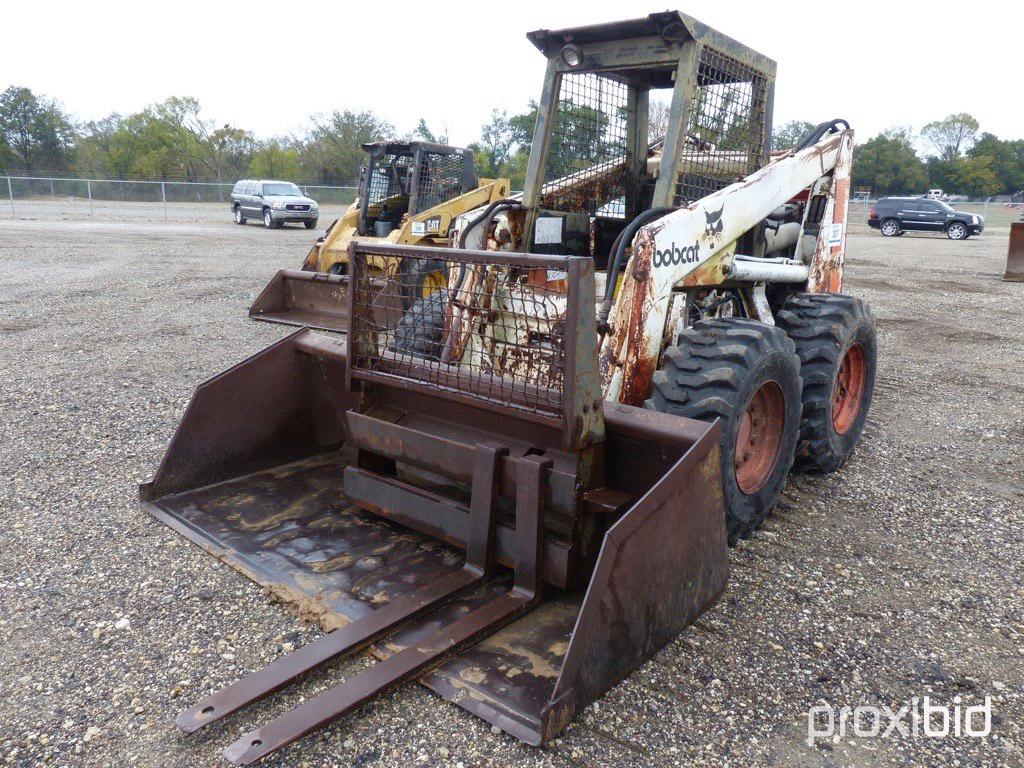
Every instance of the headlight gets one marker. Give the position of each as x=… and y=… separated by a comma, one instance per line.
x=572, y=55
x=976, y=219
x=314, y=207
x=277, y=206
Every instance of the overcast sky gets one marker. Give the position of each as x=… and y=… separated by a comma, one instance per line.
x=268, y=66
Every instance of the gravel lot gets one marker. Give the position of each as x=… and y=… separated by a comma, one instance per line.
x=902, y=575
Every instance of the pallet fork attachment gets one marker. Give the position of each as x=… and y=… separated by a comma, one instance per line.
x=477, y=568
x=433, y=650
x=391, y=497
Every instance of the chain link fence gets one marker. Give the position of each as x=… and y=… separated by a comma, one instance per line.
x=36, y=197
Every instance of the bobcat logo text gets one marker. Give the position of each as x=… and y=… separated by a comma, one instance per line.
x=672, y=255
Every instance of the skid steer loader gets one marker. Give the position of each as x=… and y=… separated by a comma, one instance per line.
x=409, y=193
x=519, y=488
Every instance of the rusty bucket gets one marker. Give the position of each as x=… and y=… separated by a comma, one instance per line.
x=304, y=299
x=518, y=548
x=1015, y=254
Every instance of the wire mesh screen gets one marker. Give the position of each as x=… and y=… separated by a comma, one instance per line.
x=586, y=162
x=489, y=331
x=442, y=176
x=389, y=177
x=726, y=132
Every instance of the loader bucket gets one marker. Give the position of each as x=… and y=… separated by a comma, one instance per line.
x=1015, y=254
x=513, y=548
x=300, y=298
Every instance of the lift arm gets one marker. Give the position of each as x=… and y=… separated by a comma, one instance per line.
x=702, y=236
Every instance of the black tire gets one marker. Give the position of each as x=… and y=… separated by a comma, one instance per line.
x=957, y=230
x=420, y=330
x=825, y=327
x=414, y=274
x=239, y=218
x=268, y=219
x=890, y=228
x=310, y=224
x=714, y=371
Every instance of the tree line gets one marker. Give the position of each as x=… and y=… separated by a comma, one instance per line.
x=172, y=140
x=961, y=159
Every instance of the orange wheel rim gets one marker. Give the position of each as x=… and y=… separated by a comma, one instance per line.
x=849, y=389
x=760, y=437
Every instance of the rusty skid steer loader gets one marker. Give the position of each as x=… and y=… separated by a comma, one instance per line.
x=519, y=488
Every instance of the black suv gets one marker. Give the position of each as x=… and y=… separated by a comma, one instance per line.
x=896, y=215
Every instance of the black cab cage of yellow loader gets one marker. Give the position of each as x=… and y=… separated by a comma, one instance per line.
x=493, y=530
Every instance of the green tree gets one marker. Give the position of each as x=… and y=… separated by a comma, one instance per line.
x=224, y=151
x=6, y=156
x=332, y=151
x=168, y=140
x=37, y=136
x=788, y=135
x=273, y=159
x=156, y=143
x=422, y=131
x=106, y=149
x=504, y=146
x=497, y=139
x=950, y=135
x=888, y=164
x=1007, y=159
x=979, y=177
x=971, y=176
x=165, y=148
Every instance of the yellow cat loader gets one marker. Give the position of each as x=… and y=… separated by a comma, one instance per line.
x=516, y=489
x=410, y=192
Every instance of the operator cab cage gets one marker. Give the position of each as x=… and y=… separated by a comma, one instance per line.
x=408, y=177
x=600, y=156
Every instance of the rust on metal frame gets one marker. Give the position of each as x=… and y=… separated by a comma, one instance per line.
x=625, y=347
x=827, y=259
x=1015, y=254
x=553, y=380
x=302, y=298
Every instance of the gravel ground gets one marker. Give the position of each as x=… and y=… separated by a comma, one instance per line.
x=75, y=209
x=897, y=577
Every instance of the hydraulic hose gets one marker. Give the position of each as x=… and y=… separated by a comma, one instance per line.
x=618, y=256
x=483, y=218
x=487, y=213
x=820, y=131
